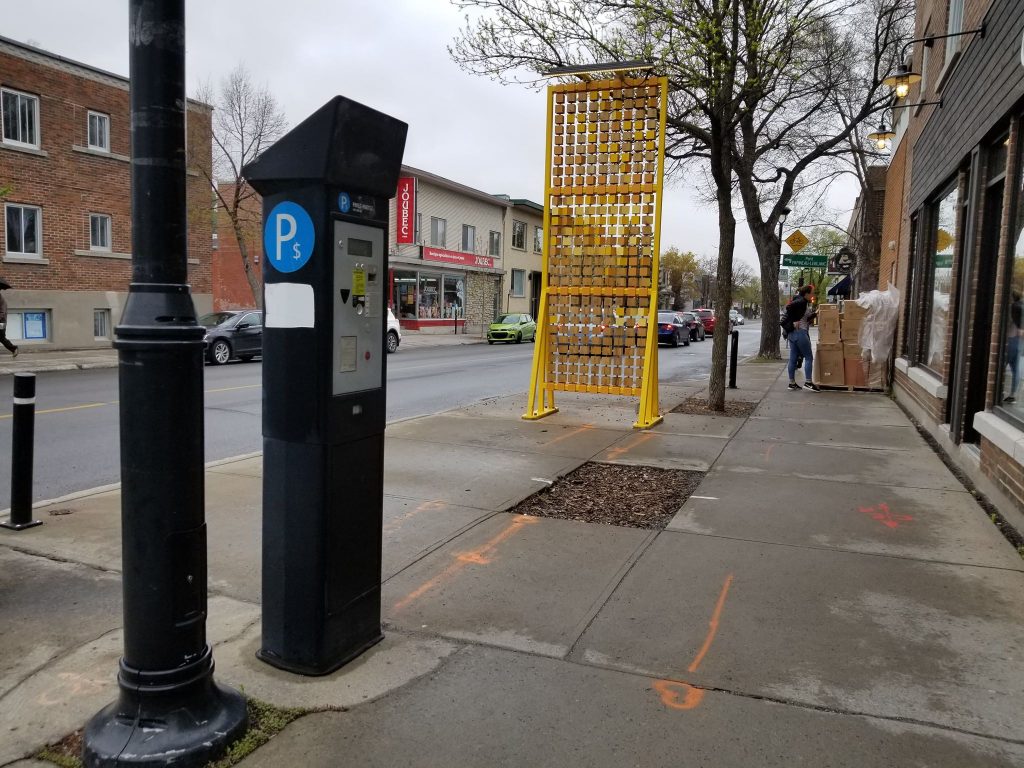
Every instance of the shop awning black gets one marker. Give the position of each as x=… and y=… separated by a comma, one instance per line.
x=842, y=288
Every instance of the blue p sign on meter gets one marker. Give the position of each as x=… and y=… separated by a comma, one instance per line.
x=288, y=237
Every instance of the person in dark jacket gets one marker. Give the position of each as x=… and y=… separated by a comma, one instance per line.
x=800, y=313
x=3, y=321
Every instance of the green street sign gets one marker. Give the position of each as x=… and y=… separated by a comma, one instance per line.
x=814, y=260
x=943, y=260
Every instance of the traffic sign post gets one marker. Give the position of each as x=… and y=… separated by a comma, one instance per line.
x=797, y=241
x=325, y=186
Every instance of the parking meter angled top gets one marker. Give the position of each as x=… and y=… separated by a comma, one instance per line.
x=326, y=186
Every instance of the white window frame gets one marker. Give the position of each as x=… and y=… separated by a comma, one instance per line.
x=39, y=231
x=103, y=315
x=521, y=274
x=105, y=120
x=538, y=239
x=468, y=238
x=108, y=231
x=519, y=233
x=494, y=244
x=954, y=24
x=35, y=115
x=438, y=231
x=16, y=325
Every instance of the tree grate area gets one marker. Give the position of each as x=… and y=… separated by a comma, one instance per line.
x=614, y=494
x=698, y=406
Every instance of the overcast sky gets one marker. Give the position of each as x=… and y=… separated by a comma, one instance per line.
x=389, y=55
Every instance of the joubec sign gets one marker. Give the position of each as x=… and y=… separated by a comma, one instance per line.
x=406, y=218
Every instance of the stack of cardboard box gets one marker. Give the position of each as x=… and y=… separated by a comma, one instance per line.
x=850, y=321
x=828, y=358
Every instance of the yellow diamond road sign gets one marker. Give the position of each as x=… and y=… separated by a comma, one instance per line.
x=797, y=241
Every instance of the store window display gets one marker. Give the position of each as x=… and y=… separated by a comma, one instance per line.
x=944, y=236
x=1014, y=314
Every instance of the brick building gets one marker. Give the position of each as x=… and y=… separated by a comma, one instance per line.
x=231, y=289
x=65, y=169
x=953, y=239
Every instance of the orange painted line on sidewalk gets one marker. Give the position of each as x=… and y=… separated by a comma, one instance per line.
x=425, y=506
x=768, y=453
x=683, y=696
x=479, y=556
x=614, y=453
x=570, y=433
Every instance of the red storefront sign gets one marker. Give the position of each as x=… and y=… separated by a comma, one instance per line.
x=457, y=257
x=406, y=209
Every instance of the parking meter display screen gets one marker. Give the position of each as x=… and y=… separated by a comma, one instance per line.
x=360, y=248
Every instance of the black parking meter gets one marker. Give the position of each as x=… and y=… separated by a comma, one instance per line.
x=325, y=187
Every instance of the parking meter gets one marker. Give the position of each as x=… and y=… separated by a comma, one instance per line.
x=325, y=186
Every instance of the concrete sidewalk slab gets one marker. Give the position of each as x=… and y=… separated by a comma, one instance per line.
x=832, y=434
x=944, y=526
x=470, y=476
x=698, y=426
x=580, y=442
x=882, y=636
x=64, y=694
x=849, y=465
x=668, y=451
x=494, y=708
x=806, y=406
x=525, y=583
x=414, y=528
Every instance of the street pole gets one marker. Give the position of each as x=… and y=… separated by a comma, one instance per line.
x=169, y=707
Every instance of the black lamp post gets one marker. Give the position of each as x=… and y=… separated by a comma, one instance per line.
x=169, y=708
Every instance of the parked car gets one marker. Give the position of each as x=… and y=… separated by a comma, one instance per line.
x=736, y=316
x=394, y=337
x=672, y=329
x=233, y=333
x=697, y=331
x=513, y=327
x=707, y=318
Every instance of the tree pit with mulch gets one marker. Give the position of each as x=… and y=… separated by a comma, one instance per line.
x=614, y=494
x=698, y=406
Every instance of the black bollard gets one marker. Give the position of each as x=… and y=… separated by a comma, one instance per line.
x=733, y=355
x=23, y=431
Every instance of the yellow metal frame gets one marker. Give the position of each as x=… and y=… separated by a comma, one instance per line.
x=542, y=389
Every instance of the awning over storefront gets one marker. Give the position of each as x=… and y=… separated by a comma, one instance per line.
x=842, y=288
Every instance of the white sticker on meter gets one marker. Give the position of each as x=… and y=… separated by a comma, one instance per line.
x=288, y=305
x=346, y=354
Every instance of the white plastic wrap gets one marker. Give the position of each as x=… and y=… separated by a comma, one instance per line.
x=879, y=325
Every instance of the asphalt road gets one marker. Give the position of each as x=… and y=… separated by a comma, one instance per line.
x=77, y=432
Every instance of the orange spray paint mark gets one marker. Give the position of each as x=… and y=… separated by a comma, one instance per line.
x=426, y=506
x=614, y=453
x=482, y=555
x=882, y=514
x=768, y=453
x=570, y=433
x=682, y=696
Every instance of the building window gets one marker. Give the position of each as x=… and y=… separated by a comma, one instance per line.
x=437, y=232
x=518, y=282
x=101, y=324
x=955, y=24
x=28, y=325
x=24, y=230
x=519, y=235
x=940, y=276
x=20, y=118
x=99, y=232
x=430, y=296
x=454, y=297
x=405, y=294
x=99, y=131
x=538, y=239
x=1009, y=395
x=494, y=244
x=417, y=237
x=468, y=239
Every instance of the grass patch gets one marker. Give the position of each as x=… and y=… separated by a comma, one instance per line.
x=265, y=722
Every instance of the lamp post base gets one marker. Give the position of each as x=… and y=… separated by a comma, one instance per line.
x=185, y=721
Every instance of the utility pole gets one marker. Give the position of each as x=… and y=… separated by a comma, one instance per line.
x=169, y=707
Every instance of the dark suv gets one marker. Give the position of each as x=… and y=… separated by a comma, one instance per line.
x=232, y=333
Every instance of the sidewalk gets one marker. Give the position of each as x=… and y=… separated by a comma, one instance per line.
x=39, y=360
x=829, y=596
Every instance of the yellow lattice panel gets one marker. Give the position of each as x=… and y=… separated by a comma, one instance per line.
x=601, y=239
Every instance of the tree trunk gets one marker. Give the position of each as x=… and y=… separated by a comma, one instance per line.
x=250, y=273
x=722, y=172
x=768, y=249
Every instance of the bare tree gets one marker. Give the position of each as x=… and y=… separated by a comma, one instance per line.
x=246, y=120
x=754, y=95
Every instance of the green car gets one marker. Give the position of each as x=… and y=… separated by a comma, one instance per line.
x=513, y=327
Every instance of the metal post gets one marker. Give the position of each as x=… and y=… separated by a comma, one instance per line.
x=23, y=429
x=169, y=707
x=733, y=357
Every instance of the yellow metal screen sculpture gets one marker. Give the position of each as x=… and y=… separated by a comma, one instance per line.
x=597, y=328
